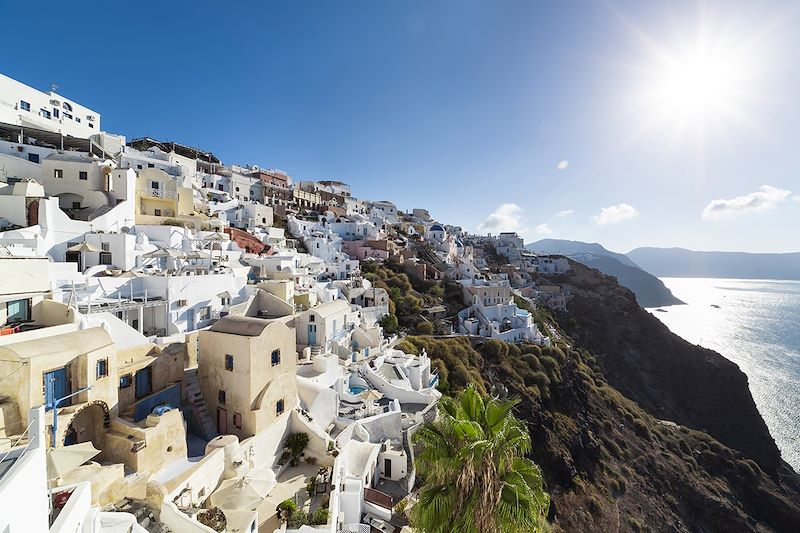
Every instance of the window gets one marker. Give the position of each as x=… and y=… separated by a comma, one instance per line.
x=58, y=173
x=18, y=310
x=237, y=420
x=237, y=189
x=181, y=303
x=157, y=212
x=91, y=125
x=76, y=205
x=105, y=246
x=151, y=165
x=33, y=158
x=139, y=167
x=279, y=407
x=102, y=368
x=67, y=115
x=105, y=258
x=155, y=185
x=311, y=318
x=83, y=175
x=205, y=313
x=125, y=381
x=67, y=106
x=77, y=119
x=221, y=397
x=276, y=357
x=25, y=106
x=44, y=113
x=229, y=362
x=56, y=112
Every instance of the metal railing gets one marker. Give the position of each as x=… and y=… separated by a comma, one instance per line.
x=18, y=452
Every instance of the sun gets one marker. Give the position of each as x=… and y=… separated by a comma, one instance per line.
x=702, y=81
x=697, y=86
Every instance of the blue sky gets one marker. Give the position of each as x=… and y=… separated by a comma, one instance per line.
x=466, y=108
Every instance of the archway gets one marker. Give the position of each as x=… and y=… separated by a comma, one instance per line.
x=89, y=424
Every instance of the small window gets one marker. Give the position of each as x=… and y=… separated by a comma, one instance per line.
x=106, y=246
x=155, y=185
x=33, y=158
x=225, y=301
x=237, y=189
x=77, y=119
x=139, y=167
x=279, y=407
x=102, y=368
x=237, y=420
x=311, y=318
x=229, y=362
x=83, y=175
x=44, y=113
x=91, y=125
x=125, y=381
x=67, y=106
x=151, y=165
x=67, y=115
x=25, y=106
x=221, y=397
x=105, y=258
x=276, y=357
x=205, y=313
x=56, y=112
x=157, y=212
x=58, y=173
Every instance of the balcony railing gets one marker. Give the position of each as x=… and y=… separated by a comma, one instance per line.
x=158, y=193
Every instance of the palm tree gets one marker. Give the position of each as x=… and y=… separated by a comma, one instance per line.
x=477, y=479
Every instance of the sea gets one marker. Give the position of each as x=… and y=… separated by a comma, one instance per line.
x=755, y=324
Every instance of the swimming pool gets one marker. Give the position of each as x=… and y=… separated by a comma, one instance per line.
x=356, y=389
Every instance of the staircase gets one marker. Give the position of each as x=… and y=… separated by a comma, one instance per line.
x=194, y=401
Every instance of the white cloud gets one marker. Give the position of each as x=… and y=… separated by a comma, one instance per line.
x=507, y=217
x=766, y=197
x=616, y=213
x=544, y=229
x=562, y=165
x=563, y=214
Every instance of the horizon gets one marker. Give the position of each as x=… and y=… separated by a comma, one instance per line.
x=623, y=124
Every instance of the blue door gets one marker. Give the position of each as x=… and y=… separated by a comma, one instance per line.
x=144, y=382
x=312, y=334
x=55, y=386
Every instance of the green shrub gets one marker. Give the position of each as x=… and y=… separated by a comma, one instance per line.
x=424, y=328
x=297, y=442
x=319, y=517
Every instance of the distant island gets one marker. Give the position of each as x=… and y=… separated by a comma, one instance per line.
x=683, y=263
x=649, y=290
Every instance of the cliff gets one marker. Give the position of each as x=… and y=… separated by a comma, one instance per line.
x=634, y=429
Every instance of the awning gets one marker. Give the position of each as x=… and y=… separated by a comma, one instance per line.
x=247, y=493
x=163, y=252
x=61, y=461
x=84, y=247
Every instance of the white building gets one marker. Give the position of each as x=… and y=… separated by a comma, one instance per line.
x=22, y=105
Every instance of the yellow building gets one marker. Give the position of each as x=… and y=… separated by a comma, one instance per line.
x=247, y=368
x=160, y=195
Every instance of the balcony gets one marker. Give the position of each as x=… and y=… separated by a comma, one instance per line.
x=158, y=193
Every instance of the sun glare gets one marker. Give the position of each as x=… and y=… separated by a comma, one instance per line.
x=701, y=82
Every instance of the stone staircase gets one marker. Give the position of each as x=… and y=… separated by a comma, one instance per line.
x=193, y=400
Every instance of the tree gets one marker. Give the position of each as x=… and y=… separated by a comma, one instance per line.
x=477, y=479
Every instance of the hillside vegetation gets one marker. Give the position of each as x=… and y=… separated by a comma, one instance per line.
x=609, y=463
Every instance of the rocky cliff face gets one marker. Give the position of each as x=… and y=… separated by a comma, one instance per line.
x=664, y=374
x=634, y=429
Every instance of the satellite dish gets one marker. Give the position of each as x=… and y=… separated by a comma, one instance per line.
x=126, y=230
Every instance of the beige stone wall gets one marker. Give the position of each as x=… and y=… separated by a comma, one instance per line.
x=254, y=386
